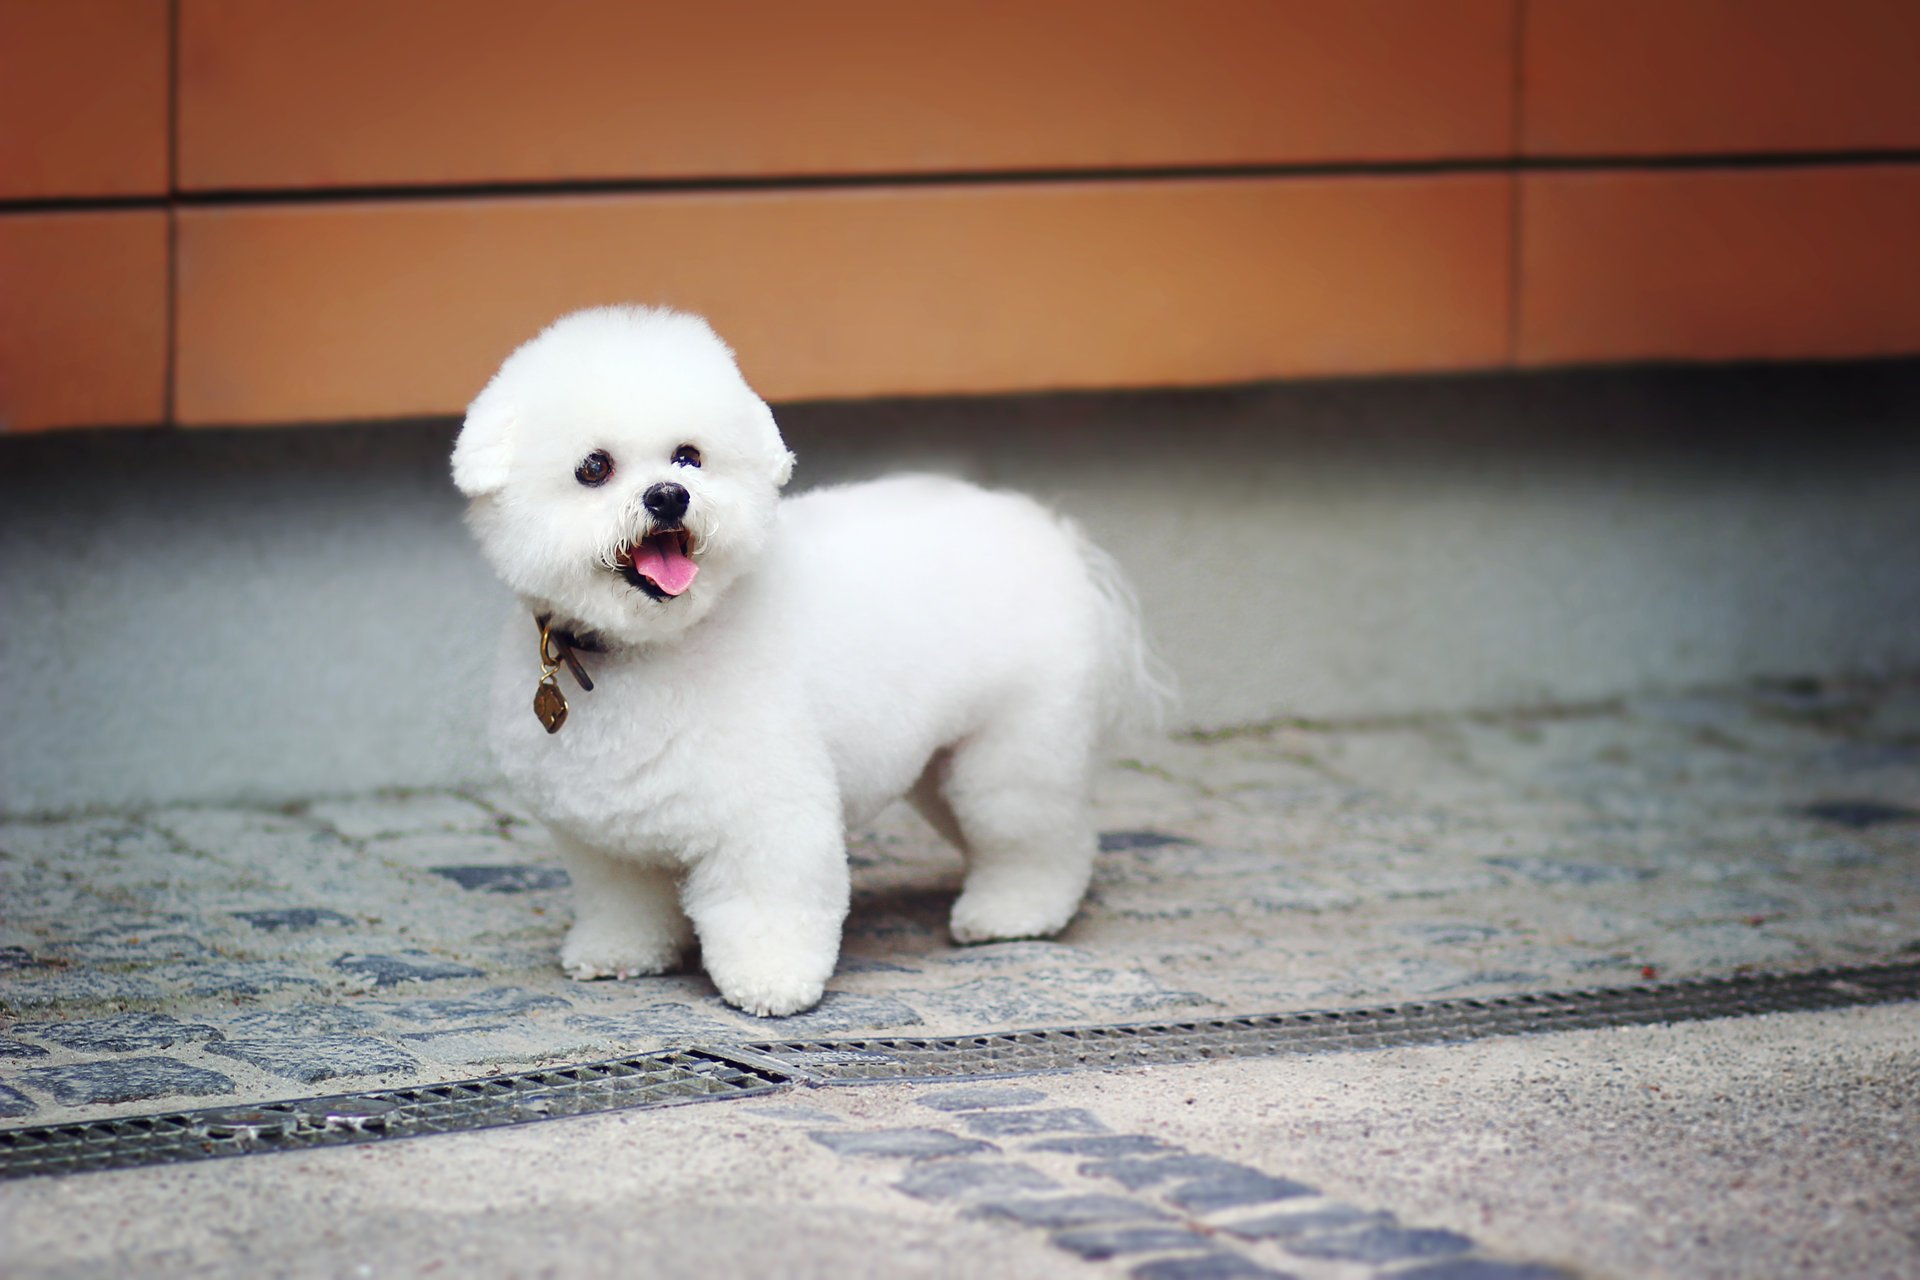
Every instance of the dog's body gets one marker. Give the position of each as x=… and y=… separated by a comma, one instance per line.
x=766, y=673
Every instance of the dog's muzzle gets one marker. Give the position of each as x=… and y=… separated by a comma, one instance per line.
x=660, y=564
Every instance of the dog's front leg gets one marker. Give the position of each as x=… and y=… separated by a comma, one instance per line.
x=768, y=908
x=626, y=915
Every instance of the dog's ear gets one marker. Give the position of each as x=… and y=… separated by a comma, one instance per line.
x=779, y=455
x=484, y=448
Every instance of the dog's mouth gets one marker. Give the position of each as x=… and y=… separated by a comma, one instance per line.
x=660, y=564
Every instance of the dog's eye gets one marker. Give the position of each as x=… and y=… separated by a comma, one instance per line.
x=686, y=456
x=595, y=470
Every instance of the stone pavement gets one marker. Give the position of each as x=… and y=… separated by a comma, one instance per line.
x=1775, y=1146
x=188, y=956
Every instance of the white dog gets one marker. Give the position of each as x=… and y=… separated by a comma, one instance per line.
x=764, y=672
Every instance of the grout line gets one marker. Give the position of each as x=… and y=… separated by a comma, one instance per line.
x=171, y=346
x=791, y=184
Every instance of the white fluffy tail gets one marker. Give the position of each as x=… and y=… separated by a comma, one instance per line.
x=1137, y=689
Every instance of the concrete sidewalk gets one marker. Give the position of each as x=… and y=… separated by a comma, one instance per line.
x=178, y=957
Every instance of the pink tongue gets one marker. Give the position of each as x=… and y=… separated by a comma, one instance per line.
x=661, y=562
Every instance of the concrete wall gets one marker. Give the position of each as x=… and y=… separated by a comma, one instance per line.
x=292, y=612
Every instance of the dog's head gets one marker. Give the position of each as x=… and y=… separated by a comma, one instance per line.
x=620, y=472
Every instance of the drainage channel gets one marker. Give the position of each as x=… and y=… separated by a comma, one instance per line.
x=702, y=1074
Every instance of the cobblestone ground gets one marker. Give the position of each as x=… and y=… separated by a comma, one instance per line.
x=186, y=956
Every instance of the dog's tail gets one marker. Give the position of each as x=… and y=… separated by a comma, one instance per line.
x=1137, y=689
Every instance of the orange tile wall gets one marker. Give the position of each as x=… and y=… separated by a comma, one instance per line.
x=829, y=293
x=364, y=93
x=227, y=212
x=84, y=338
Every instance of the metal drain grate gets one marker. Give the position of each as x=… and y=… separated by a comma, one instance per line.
x=648, y=1080
x=693, y=1075
x=1017, y=1053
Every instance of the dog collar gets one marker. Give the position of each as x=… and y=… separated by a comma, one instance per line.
x=557, y=648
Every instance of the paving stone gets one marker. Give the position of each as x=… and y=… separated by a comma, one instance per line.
x=1096, y=1244
x=1749, y=907
x=293, y=918
x=1136, y=1173
x=301, y=1020
x=981, y=1098
x=1379, y=1244
x=1896, y=714
x=260, y=839
x=120, y=1033
x=1106, y=1146
x=413, y=966
x=861, y=964
x=1234, y=1190
x=1282, y=894
x=841, y=1011
x=1004, y=1001
x=1207, y=1266
x=66, y=841
x=1020, y=1124
x=1557, y=871
x=75, y=990
x=1858, y=814
x=913, y=920
x=1850, y=759
x=14, y=1104
x=479, y=1006
x=368, y=817
x=665, y=1021
x=494, y=1045
x=240, y=978
x=1033, y=955
x=320, y=1057
x=1482, y=1269
x=1720, y=946
x=1115, y=841
x=910, y=1144
x=518, y=878
x=1449, y=933
x=1137, y=993
x=133, y=946
x=422, y=851
x=968, y=1179
x=20, y=1049
x=1835, y=852
x=1068, y=1211
x=1280, y=1226
x=125, y=1080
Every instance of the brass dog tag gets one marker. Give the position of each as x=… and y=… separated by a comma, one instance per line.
x=550, y=704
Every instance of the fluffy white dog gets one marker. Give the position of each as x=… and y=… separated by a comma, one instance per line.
x=763, y=672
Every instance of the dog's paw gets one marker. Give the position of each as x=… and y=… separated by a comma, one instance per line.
x=979, y=917
x=593, y=953
x=773, y=998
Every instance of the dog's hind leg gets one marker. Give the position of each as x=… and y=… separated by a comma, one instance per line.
x=627, y=918
x=1019, y=793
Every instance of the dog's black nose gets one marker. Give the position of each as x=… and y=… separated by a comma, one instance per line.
x=665, y=502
